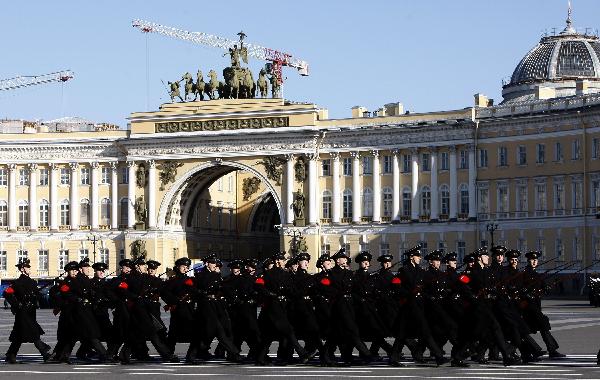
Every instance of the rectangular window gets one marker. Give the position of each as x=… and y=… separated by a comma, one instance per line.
x=464, y=159
x=326, y=205
x=502, y=156
x=577, y=249
x=230, y=184
x=85, y=176
x=596, y=248
x=325, y=249
x=406, y=159
x=3, y=177
x=559, y=196
x=461, y=249
x=384, y=249
x=540, y=197
x=425, y=166
x=3, y=214
x=541, y=246
x=105, y=175
x=540, y=152
x=220, y=184
x=43, y=177
x=346, y=246
x=483, y=158
x=595, y=148
x=406, y=203
x=3, y=263
x=23, y=215
x=522, y=198
x=44, y=209
x=347, y=163
x=444, y=161
x=83, y=254
x=502, y=199
x=367, y=165
x=522, y=244
x=63, y=258
x=484, y=201
x=559, y=248
x=65, y=217
x=363, y=246
x=387, y=164
x=577, y=203
x=121, y=254
x=65, y=176
x=576, y=150
x=522, y=155
x=43, y=260
x=558, y=153
x=326, y=167
x=21, y=255
x=124, y=175
x=595, y=194
x=104, y=255
x=23, y=177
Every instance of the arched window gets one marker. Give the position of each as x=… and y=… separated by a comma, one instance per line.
x=44, y=210
x=3, y=214
x=464, y=199
x=425, y=201
x=387, y=201
x=326, y=211
x=84, y=206
x=444, y=200
x=124, y=211
x=105, y=211
x=367, y=202
x=65, y=218
x=23, y=207
x=347, y=203
x=406, y=202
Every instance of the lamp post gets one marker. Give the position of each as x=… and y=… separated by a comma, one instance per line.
x=295, y=235
x=93, y=240
x=491, y=227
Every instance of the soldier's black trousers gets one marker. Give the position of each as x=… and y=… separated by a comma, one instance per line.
x=42, y=347
x=551, y=343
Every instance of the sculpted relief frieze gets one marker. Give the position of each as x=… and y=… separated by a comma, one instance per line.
x=218, y=125
x=63, y=152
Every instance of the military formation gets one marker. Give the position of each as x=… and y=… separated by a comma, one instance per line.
x=486, y=309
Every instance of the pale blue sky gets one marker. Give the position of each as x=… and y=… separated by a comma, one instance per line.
x=428, y=54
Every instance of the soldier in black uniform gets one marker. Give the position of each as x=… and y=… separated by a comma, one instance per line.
x=386, y=308
x=531, y=304
x=411, y=278
x=436, y=291
x=275, y=291
x=22, y=295
x=345, y=326
x=371, y=325
x=323, y=298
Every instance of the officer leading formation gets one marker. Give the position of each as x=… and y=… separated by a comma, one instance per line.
x=487, y=311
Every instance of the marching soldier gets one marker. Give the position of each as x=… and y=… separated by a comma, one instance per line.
x=323, y=297
x=22, y=295
x=386, y=308
x=531, y=304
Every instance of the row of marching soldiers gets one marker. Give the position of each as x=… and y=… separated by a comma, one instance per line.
x=488, y=307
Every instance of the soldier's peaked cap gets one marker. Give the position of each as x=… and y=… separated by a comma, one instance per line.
x=386, y=257
x=126, y=263
x=414, y=251
x=450, y=257
x=434, y=255
x=499, y=250
x=303, y=256
x=153, y=264
x=322, y=259
x=24, y=263
x=100, y=266
x=183, y=261
x=533, y=255
x=363, y=256
x=339, y=254
x=513, y=254
x=72, y=265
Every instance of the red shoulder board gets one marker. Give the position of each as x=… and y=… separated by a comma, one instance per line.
x=396, y=281
x=123, y=285
x=64, y=288
x=189, y=282
x=9, y=290
x=464, y=279
x=259, y=281
x=325, y=281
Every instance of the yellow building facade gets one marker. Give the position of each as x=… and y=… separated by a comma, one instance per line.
x=245, y=178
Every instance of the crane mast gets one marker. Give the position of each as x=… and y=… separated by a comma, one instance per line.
x=34, y=80
x=275, y=57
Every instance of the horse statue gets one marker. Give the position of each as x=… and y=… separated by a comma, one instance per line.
x=232, y=83
x=263, y=83
x=247, y=85
x=189, y=85
x=199, y=86
x=212, y=85
x=174, y=91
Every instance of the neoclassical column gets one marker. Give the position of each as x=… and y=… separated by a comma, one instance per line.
x=453, y=185
x=396, y=188
x=131, y=194
x=114, y=192
x=376, y=188
x=336, y=205
x=94, y=201
x=54, y=217
x=74, y=202
x=435, y=199
x=289, y=189
x=472, y=177
x=313, y=190
x=356, y=187
x=33, y=204
x=151, y=194
x=414, y=156
x=12, y=197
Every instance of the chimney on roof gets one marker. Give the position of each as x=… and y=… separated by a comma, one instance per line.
x=358, y=112
x=481, y=100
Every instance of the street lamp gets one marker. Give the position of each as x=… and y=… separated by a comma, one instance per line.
x=295, y=235
x=491, y=227
x=93, y=240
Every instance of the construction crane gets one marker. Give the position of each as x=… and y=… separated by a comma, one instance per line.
x=276, y=58
x=34, y=80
